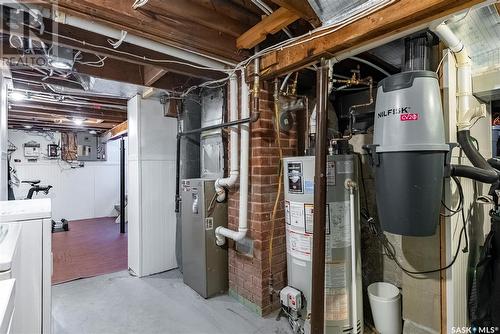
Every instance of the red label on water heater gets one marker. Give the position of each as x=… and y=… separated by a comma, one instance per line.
x=408, y=117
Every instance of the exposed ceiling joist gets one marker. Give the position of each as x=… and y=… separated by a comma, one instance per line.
x=125, y=54
x=301, y=8
x=271, y=24
x=50, y=110
x=179, y=33
x=49, y=123
x=395, y=18
x=194, y=12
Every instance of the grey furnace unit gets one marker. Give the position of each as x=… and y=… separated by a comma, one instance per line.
x=205, y=265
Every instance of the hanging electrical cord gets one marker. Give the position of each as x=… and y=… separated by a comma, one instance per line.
x=390, y=249
x=460, y=202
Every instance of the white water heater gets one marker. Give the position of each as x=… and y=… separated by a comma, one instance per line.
x=343, y=289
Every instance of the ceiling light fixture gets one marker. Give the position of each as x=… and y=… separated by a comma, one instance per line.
x=93, y=132
x=17, y=96
x=61, y=58
x=28, y=126
x=78, y=121
x=61, y=65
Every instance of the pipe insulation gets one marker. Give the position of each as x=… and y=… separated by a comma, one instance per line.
x=221, y=233
x=222, y=184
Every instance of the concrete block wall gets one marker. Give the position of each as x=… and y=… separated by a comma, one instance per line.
x=249, y=275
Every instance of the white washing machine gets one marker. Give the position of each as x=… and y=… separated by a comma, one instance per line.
x=9, y=257
x=9, y=254
x=7, y=305
x=26, y=256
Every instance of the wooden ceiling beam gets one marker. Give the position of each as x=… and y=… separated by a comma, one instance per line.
x=52, y=118
x=49, y=123
x=114, y=70
x=56, y=127
x=395, y=18
x=301, y=8
x=242, y=10
x=34, y=86
x=178, y=33
x=191, y=11
x=37, y=105
x=270, y=24
x=117, y=131
x=142, y=56
x=56, y=113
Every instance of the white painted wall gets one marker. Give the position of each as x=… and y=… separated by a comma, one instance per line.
x=479, y=224
x=81, y=193
x=151, y=188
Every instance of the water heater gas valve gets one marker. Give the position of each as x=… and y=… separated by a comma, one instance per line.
x=291, y=298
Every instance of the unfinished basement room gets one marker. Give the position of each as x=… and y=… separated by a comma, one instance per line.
x=250, y=166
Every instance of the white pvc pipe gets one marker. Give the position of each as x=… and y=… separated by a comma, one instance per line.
x=466, y=114
x=230, y=181
x=354, y=294
x=221, y=233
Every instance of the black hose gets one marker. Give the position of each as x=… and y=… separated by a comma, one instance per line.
x=478, y=174
x=495, y=163
x=477, y=160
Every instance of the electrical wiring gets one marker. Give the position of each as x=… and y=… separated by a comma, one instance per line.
x=390, y=249
x=280, y=176
x=441, y=61
x=460, y=202
x=313, y=34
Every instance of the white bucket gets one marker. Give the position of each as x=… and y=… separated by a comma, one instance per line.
x=385, y=302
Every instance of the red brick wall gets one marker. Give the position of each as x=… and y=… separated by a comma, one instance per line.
x=249, y=276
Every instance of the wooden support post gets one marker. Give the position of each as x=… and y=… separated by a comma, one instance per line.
x=318, y=260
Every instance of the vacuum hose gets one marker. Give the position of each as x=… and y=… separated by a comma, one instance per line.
x=474, y=173
x=483, y=171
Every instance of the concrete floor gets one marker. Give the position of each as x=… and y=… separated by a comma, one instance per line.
x=120, y=303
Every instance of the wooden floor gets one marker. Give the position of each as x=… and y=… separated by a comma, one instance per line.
x=91, y=247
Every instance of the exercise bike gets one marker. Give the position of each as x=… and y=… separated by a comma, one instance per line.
x=36, y=187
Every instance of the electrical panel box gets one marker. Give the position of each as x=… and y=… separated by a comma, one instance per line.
x=204, y=264
x=32, y=150
x=89, y=147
